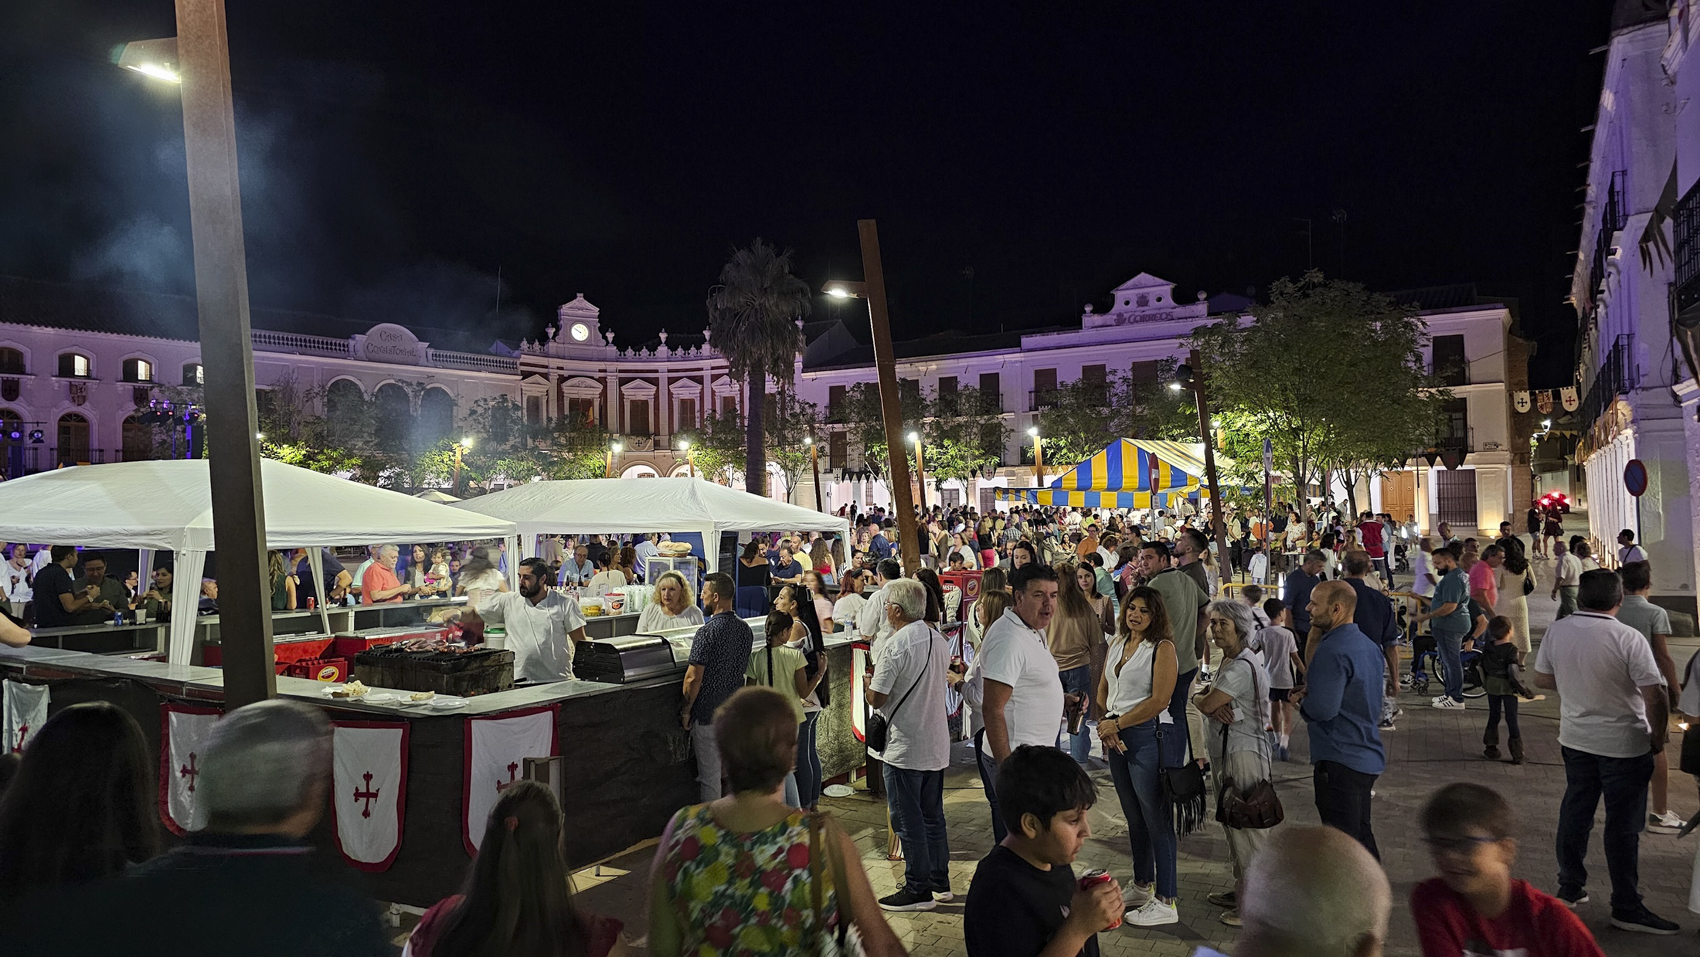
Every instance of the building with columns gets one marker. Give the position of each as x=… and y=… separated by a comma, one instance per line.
x=78, y=365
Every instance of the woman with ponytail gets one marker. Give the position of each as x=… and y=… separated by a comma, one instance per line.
x=516, y=901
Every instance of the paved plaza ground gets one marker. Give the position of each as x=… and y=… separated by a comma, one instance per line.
x=1430, y=748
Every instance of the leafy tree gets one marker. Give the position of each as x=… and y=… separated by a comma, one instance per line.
x=789, y=422
x=753, y=320
x=717, y=446
x=865, y=420
x=1329, y=372
x=577, y=450
x=1087, y=416
x=964, y=434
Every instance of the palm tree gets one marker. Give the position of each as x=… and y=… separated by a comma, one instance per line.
x=753, y=319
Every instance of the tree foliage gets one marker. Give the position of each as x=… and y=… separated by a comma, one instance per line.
x=753, y=317
x=962, y=433
x=789, y=422
x=717, y=446
x=1332, y=374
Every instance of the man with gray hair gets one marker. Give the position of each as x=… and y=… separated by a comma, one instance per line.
x=1312, y=892
x=379, y=583
x=908, y=690
x=249, y=882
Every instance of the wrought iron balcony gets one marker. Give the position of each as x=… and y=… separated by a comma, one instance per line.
x=1613, y=216
x=1617, y=375
x=1038, y=400
x=1685, y=288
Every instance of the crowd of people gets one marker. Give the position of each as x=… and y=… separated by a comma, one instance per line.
x=1099, y=643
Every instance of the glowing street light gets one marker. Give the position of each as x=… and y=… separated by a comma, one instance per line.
x=814, y=466
x=461, y=447
x=155, y=59
x=1038, y=458
x=690, y=457
x=613, y=450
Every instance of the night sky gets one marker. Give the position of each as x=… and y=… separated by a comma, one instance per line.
x=1021, y=159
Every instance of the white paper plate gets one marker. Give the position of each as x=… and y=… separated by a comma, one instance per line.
x=839, y=790
x=327, y=693
x=441, y=703
x=381, y=698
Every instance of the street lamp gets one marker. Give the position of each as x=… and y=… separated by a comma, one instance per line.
x=814, y=465
x=690, y=457
x=1038, y=458
x=920, y=469
x=613, y=450
x=1185, y=379
x=885, y=362
x=464, y=445
x=197, y=61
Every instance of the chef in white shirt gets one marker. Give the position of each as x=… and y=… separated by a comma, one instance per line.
x=542, y=624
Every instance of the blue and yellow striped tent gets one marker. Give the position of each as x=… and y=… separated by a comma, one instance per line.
x=1129, y=473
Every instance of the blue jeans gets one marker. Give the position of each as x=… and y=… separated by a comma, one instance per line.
x=989, y=779
x=809, y=771
x=1450, y=644
x=1623, y=783
x=791, y=790
x=1150, y=830
x=1080, y=745
x=1177, y=700
x=917, y=812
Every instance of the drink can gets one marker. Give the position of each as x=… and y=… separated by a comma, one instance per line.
x=1094, y=877
x=312, y=603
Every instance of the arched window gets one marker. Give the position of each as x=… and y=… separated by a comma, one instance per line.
x=392, y=425
x=74, y=365
x=12, y=431
x=436, y=416
x=73, y=448
x=346, y=414
x=12, y=362
x=138, y=440
x=193, y=374
x=138, y=370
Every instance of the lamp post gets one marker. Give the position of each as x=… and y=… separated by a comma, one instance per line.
x=199, y=60
x=1038, y=458
x=920, y=469
x=690, y=457
x=814, y=465
x=872, y=288
x=461, y=447
x=1190, y=375
x=613, y=450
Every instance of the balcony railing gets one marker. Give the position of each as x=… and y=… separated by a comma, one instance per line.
x=1038, y=400
x=1617, y=376
x=1613, y=216
x=1686, y=222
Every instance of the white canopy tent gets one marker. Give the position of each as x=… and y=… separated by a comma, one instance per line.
x=167, y=506
x=636, y=506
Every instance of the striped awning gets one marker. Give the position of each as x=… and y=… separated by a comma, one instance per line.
x=1128, y=473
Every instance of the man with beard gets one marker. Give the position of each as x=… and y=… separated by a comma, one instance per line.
x=542, y=624
x=1341, y=702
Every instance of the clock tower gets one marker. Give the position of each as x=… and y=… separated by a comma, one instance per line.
x=580, y=325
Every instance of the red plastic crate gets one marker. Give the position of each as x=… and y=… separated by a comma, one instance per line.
x=318, y=669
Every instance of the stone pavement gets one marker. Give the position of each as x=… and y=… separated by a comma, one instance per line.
x=1430, y=748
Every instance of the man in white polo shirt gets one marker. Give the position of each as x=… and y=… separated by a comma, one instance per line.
x=1022, y=695
x=1612, y=718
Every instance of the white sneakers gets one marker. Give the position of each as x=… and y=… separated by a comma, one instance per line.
x=1135, y=894
x=1444, y=703
x=1154, y=913
x=1666, y=823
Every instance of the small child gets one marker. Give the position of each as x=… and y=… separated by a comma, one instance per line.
x=1475, y=906
x=1023, y=900
x=1502, y=678
x=1282, y=662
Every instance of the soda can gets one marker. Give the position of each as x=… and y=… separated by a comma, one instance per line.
x=311, y=603
x=1094, y=877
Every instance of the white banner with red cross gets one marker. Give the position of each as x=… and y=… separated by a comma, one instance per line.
x=26, y=711
x=369, y=788
x=183, y=737
x=496, y=749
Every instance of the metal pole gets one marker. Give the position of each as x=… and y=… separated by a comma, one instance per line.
x=891, y=408
x=1217, y=525
x=1039, y=461
x=814, y=463
x=221, y=293
x=456, y=489
x=920, y=473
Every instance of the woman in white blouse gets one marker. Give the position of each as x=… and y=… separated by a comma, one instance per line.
x=1134, y=693
x=850, y=597
x=970, y=554
x=674, y=606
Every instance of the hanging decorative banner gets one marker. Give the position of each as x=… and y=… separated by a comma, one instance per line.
x=496, y=749
x=1543, y=401
x=26, y=711
x=1567, y=396
x=1520, y=401
x=369, y=788
x=183, y=736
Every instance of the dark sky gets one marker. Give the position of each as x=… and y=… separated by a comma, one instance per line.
x=395, y=156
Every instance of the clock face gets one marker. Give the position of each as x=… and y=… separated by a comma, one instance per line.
x=580, y=331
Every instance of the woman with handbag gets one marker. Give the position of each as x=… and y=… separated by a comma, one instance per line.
x=1134, y=692
x=751, y=875
x=1515, y=580
x=1246, y=805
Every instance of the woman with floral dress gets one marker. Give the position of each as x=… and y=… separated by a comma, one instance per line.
x=736, y=875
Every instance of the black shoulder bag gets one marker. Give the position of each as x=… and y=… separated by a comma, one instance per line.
x=1182, y=778
x=1253, y=808
x=878, y=724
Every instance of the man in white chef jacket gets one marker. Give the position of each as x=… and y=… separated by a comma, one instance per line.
x=542, y=624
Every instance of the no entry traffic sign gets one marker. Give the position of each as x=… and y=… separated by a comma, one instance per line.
x=1635, y=477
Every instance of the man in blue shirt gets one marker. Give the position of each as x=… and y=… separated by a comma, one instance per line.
x=1341, y=703
x=1298, y=589
x=1449, y=611
x=720, y=653
x=879, y=546
x=1375, y=618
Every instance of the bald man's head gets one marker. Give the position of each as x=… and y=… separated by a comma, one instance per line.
x=1313, y=891
x=1332, y=604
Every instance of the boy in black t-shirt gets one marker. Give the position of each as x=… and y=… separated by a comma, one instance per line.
x=1023, y=901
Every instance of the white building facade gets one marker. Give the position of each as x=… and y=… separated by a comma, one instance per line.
x=1629, y=369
